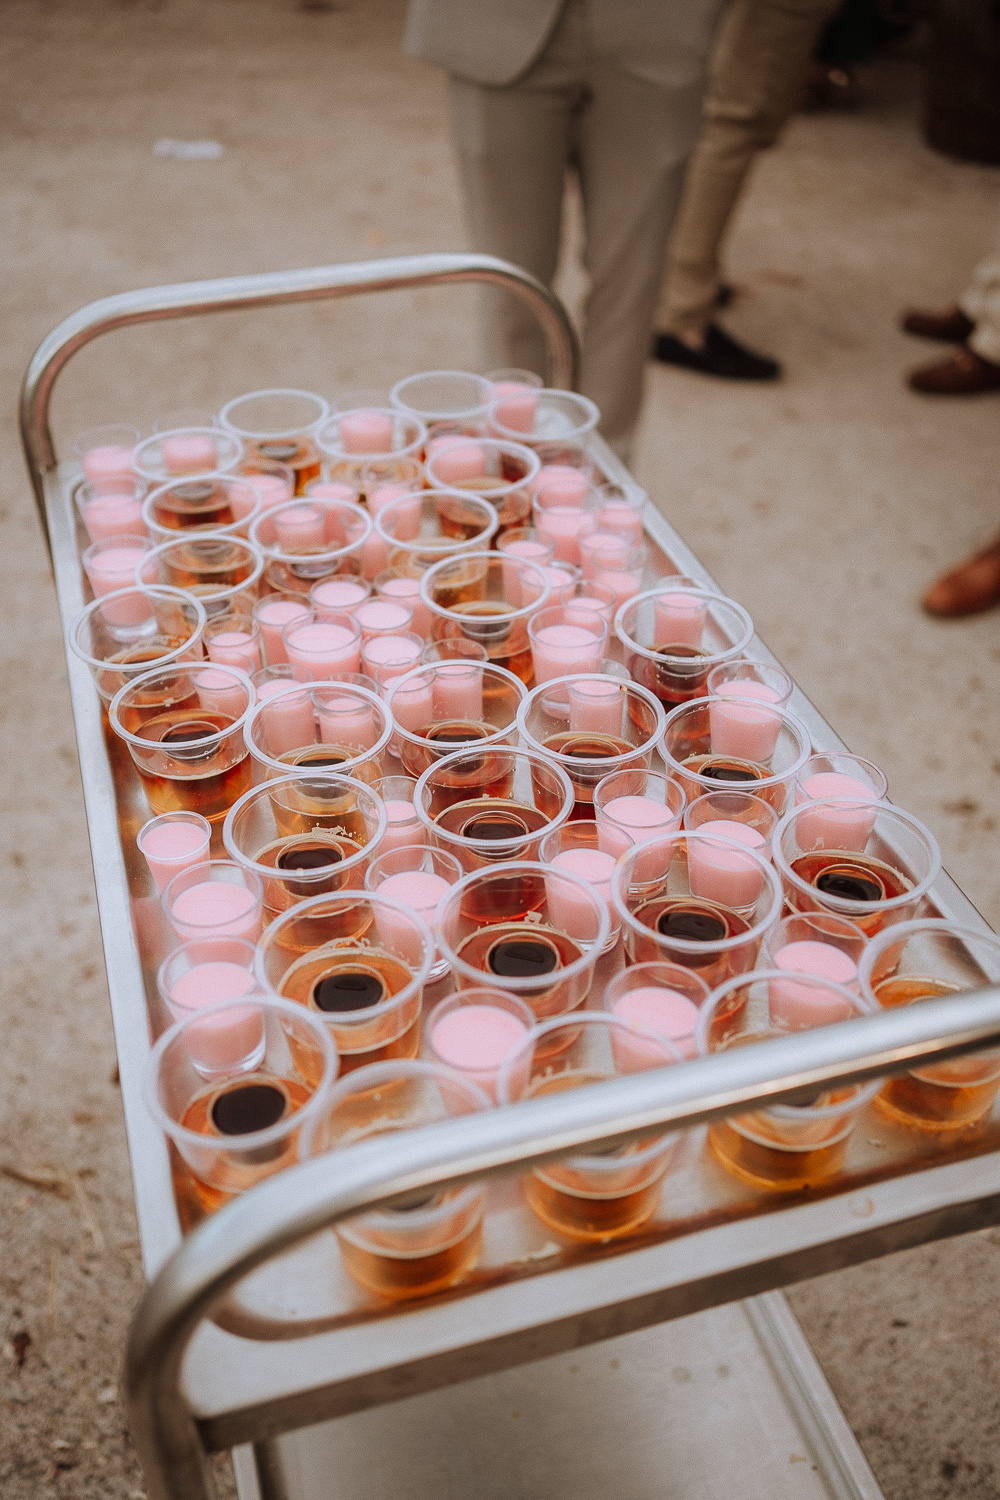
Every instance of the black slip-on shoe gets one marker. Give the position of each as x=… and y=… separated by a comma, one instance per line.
x=720, y=355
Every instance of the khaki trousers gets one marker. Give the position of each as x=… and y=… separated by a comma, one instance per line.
x=629, y=140
x=758, y=65
x=981, y=302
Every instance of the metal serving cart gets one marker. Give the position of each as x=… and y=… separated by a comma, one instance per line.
x=663, y=1366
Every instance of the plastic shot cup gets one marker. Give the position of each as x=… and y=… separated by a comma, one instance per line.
x=232, y=1086
x=735, y=815
x=398, y=587
x=710, y=743
x=673, y=636
x=526, y=929
x=524, y=544
x=566, y=640
x=308, y=833
x=271, y=614
x=106, y=456
x=203, y=973
x=202, y=502
x=359, y=961
x=567, y=475
x=492, y=805
x=222, y=570
x=849, y=779
x=473, y=593
x=556, y=417
x=184, y=727
x=386, y=657
x=622, y=571
x=320, y=726
x=563, y=514
x=660, y=997
x=421, y=527
x=440, y=707
x=383, y=617
x=621, y=512
x=581, y=848
x=339, y=595
x=419, y=877
x=758, y=681
x=454, y=648
x=115, y=563
x=193, y=449
x=631, y=806
x=515, y=402
x=608, y=1192
x=320, y=649
x=355, y=434
x=697, y=901
x=217, y=899
x=501, y=471
x=875, y=886
x=815, y=943
x=234, y=640
x=592, y=725
x=448, y=399
x=279, y=425
x=474, y=1031
x=429, y=1241
x=784, y=1147
x=588, y=594
x=174, y=842
x=164, y=625
x=403, y=827
x=924, y=960
x=112, y=513
x=310, y=539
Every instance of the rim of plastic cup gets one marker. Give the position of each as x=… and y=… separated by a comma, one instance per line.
x=274, y=553
x=105, y=435
x=415, y=849
x=859, y=760
x=438, y=544
x=484, y=846
x=422, y=668
x=841, y=905
x=253, y=1139
x=348, y=689
x=477, y=994
x=583, y=761
x=491, y=445
x=455, y=413
x=900, y=931
x=627, y=862
x=711, y=598
x=239, y=725
x=194, y=534
x=745, y=661
x=788, y=721
x=343, y=1019
x=332, y=423
x=155, y=473
x=866, y=1091
x=490, y=558
x=201, y=942
x=663, y=776
x=162, y=533
x=590, y=416
x=267, y=789
x=227, y=422
x=256, y=889
x=587, y=960
x=98, y=663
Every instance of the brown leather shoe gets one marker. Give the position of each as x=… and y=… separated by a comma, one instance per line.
x=963, y=373
x=968, y=589
x=950, y=325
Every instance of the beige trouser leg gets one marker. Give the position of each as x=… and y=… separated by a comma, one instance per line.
x=981, y=302
x=758, y=65
x=629, y=140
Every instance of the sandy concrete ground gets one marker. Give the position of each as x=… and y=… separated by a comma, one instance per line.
x=824, y=504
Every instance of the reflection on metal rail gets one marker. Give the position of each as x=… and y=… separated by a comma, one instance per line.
x=294, y=1205
x=234, y=293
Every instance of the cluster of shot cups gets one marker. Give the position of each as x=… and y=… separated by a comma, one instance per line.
x=398, y=660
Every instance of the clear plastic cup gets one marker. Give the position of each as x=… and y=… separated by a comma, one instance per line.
x=567, y=472
x=185, y=416
x=454, y=648
x=165, y=625
x=565, y=640
x=473, y=592
x=398, y=586
x=205, y=972
x=356, y=433
x=848, y=779
x=224, y=571
x=474, y=1031
x=734, y=815
x=622, y=571
x=760, y=681
x=217, y=899
x=588, y=594
x=443, y=397
x=359, y=961
x=279, y=425
x=784, y=1147
x=441, y=706
x=713, y=742
x=631, y=806
x=622, y=512
x=218, y=503
x=563, y=514
x=527, y=929
x=403, y=827
x=420, y=528
x=494, y=806
x=673, y=636
x=924, y=960
x=591, y=725
x=234, y=639
x=319, y=648
x=582, y=848
x=232, y=1087
x=383, y=617
x=271, y=614
x=558, y=417
x=697, y=901
x=107, y=513
x=184, y=726
x=106, y=455
x=114, y=564
x=387, y=657
x=191, y=449
x=308, y=833
x=174, y=842
x=876, y=886
x=500, y=471
x=816, y=943
x=419, y=877
x=323, y=726
x=608, y=1192
x=660, y=997
x=310, y=539
x=433, y=1240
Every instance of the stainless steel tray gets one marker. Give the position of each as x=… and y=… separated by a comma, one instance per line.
x=284, y=1350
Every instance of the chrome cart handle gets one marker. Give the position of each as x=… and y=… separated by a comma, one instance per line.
x=229, y=293
x=289, y=1208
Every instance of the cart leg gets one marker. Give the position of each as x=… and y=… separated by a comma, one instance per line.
x=271, y=1482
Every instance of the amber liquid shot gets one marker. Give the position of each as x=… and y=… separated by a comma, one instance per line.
x=348, y=981
x=184, y=777
x=946, y=1096
x=419, y=1272
x=851, y=877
